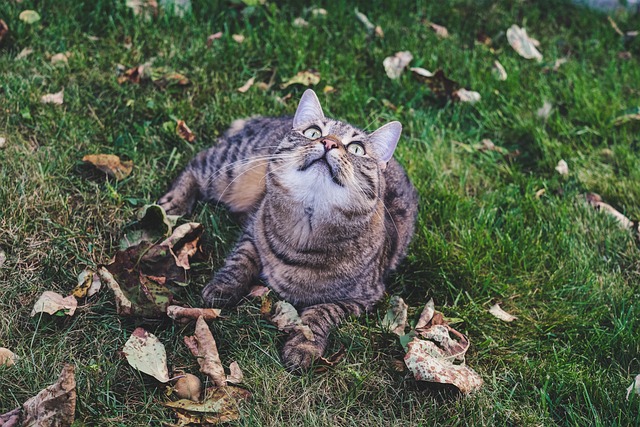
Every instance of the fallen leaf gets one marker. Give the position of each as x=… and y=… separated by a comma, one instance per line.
x=562, y=168
x=235, y=374
x=3, y=257
x=428, y=362
x=203, y=347
x=147, y=9
x=110, y=164
x=318, y=11
x=88, y=284
x=329, y=89
x=213, y=37
x=258, y=291
x=55, y=405
x=441, y=86
x=426, y=316
x=545, y=111
x=152, y=224
x=396, y=318
x=300, y=23
x=24, y=53
x=498, y=71
x=220, y=405
x=378, y=31
x=284, y=99
x=305, y=78
x=558, y=63
x=239, y=38
x=615, y=26
x=540, y=193
x=421, y=73
x=60, y=59
x=522, y=43
x=635, y=387
x=184, y=132
x=464, y=95
x=625, y=55
x=498, y=312
x=11, y=418
x=372, y=30
x=440, y=31
x=179, y=8
x=29, y=16
x=632, y=114
x=286, y=319
x=245, y=87
x=124, y=307
x=4, y=29
x=596, y=201
x=488, y=145
x=394, y=65
x=176, y=312
x=53, y=98
x=51, y=303
x=146, y=353
x=184, y=243
x=188, y=386
x=163, y=77
x=7, y=357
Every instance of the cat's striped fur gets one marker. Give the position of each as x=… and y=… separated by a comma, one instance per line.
x=329, y=214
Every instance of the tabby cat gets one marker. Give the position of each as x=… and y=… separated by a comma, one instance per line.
x=329, y=214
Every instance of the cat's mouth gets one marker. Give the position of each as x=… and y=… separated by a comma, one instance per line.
x=322, y=162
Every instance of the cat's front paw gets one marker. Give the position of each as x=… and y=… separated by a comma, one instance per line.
x=219, y=295
x=299, y=353
x=177, y=203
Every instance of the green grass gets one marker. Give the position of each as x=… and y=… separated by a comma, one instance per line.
x=570, y=274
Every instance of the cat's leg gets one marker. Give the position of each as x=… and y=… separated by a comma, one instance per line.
x=299, y=351
x=182, y=196
x=232, y=282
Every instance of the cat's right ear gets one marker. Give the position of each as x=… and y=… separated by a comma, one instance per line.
x=309, y=109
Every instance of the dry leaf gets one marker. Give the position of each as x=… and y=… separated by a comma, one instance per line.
x=60, y=59
x=396, y=318
x=124, y=307
x=3, y=257
x=632, y=114
x=245, y=87
x=203, y=346
x=55, y=406
x=146, y=353
x=188, y=386
x=176, y=313
x=286, y=319
x=110, y=164
x=596, y=201
x=522, y=43
x=421, y=73
x=562, y=168
x=635, y=387
x=163, y=77
x=429, y=363
x=426, y=316
x=394, y=65
x=7, y=357
x=147, y=9
x=11, y=418
x=441, y=86
x=318, y=11
x=545, y=111
x=498, y=71
x=29, y=16
x=24, y=53
x=220, y=405
x=52, y=302
x=53, y=98
x=184, y=132
x=184, y=243
x=440, y=31
x=498, y=312
x=235, y=374
x=258, y=291
x=305, y=78
x=464, y=95
x=213, y=37
x=239, y=38
x=378, y=31
x=365, y=21
x=300, y=23
x=4, y=29
x=88, y=284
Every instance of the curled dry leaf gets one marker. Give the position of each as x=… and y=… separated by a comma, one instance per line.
x=300, y=23
x=365, y=21
x=184, y=132
x=464, y=95
x=4, y=29
x=235, y=374
x=29, y=16
x=421, y=73
x=596, y=201
x=55, y=405
x=146, y=353
x=110, y=164
x=3, y=257
x=51, y=303
x=245, y=87
x=562, y=168
x=88, y=284
x=286, y=319
x=238, y=38
x=7, y=357
x=396, y=318
x=220, y=405
x=213, y=37
x=60, y=59
x=305, y=78
x=176, y=312
x=498, y=312
x=440, y=31
x=523, y=44
x=203, y=346
x=124, y=306
x=24, y=53
x=163, y=77
x=258, y=291
x=184, y=243
x=426, y=316
x=395, y=65
x=189, y=387
x=635, y=387
x=53, y=98
x=498, y=71
x=630, y=115
x=318, y=11
x=152, y=225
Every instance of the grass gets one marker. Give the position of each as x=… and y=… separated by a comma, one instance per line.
x=570, y=274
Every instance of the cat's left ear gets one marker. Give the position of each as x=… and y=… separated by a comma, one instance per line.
x=384, y=141
x=309, y=109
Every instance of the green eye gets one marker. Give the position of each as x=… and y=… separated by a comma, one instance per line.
x=312, y=133
x=356, y=148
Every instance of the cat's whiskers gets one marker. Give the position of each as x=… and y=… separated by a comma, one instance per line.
x=358, y=187
x=218, y=172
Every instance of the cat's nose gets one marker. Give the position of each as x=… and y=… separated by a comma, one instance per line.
x=330, y=142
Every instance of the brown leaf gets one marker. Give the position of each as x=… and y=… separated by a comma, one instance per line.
x=53, y=98
x=7, y=357
x=60, y=59
x=396, y=318
x=110, y=164
x=4, y=29
x=238, y=38
x=88, y=284
x=146, y=353
x=440, y=31
x=52, y=302
x=203, y=346
x=498, y=312
x=286, y=319
x=426, y=316
x=176, y=312
x=245, y=87
x=523, y=44
x=220, y=405
x=213, y=37
x=596, y=201
x=498, y=71
x=147, y=9
x=124, y=307
x=184, y=132
x=55, y=406
x=258, y=291
x=136, y=74
x=395, y=65
x=235, y=374
x=464, y=95
x=184, y=243
x=305, y=78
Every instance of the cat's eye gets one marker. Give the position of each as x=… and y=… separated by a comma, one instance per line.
x=312, y=133
x=356, y=148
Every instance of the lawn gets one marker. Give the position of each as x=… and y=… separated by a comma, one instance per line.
x=494, y=226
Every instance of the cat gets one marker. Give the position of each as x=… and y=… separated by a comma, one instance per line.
x=329, y=214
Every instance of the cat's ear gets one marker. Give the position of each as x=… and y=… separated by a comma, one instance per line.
x=309, y=109
x=384, y=141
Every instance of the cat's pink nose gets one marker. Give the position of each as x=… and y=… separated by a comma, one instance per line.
x=330, y=142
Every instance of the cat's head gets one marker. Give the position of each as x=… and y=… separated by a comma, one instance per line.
x=334, y=158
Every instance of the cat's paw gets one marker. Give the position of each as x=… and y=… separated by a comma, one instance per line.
x=176, y=202
x=219, y=295
x=299, y=353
